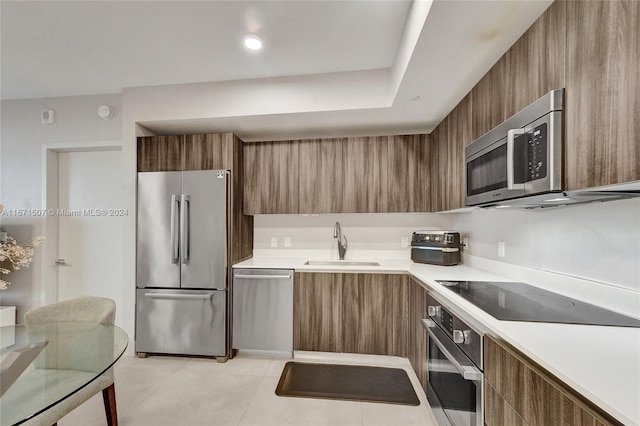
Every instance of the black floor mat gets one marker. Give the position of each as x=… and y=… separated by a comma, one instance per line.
x=348, y=382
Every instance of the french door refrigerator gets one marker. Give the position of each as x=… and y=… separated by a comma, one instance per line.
x=182, y=262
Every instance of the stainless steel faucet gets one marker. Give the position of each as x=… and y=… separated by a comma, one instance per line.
x=342, y=247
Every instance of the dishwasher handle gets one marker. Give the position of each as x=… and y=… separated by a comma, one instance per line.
x=263, y=277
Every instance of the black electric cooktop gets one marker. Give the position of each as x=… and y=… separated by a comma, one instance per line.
x=514, y=301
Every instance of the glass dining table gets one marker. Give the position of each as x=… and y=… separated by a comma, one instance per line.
x=43, y=365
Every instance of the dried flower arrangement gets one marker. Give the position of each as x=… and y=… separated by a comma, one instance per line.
x=14, y=256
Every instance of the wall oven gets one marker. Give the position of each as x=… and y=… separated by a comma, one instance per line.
x=520, y=157
x=455, y=382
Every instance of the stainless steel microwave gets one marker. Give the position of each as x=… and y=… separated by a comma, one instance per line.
x=519, y=158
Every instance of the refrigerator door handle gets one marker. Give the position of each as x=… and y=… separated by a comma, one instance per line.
x=185, y=207
x=204, y=296
x=175, y=238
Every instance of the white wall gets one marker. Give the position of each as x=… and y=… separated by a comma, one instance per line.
x=21, y=139
x=598, y=242
x=368, y=235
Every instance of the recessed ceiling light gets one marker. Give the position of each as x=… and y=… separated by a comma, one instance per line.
x=253, y=42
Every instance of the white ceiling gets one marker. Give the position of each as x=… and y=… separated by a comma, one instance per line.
x=67, y=48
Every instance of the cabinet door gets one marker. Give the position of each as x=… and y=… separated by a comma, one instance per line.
x=531, y=392
x=458, y=136
x=438, y=195
x=407, y=175
x=160, y=153
x=321, y=175
x=417, y=345
x=364, y=177
x=367, y=314
x=602, y=93
x=271, y=177
x=317, y=314
x=206, y=152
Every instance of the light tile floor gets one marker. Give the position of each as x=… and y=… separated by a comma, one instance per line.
x=196, y=391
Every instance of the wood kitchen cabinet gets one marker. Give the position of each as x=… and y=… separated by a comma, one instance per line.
x=271, y=171
x=517, y=391
x=353, y=313
x=447, y=168
x=602, y=93
x=417, y=344
x=204, y=152
x=533, y=66
x=321, y=175
x=340, y=175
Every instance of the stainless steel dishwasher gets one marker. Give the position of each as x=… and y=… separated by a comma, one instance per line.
x=263, y=311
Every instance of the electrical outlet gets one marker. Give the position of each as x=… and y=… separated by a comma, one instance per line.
x=287, y=241
x=404, y=242
x=465, y=244
x=274, y=241
x=501, y=249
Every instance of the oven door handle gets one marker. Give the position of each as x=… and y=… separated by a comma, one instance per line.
x=452, y=352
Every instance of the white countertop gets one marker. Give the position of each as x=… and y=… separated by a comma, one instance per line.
x=602, y=363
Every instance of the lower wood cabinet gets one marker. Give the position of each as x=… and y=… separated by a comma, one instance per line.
x=417, y=346
x=353, y=313
x=519, y=392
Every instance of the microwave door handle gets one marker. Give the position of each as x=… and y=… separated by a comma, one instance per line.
x=511, y=140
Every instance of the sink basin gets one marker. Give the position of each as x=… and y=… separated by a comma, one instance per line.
x=340, y=263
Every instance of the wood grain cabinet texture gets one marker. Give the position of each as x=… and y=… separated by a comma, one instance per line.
x=204, y=152
x=417, y=345
x=447, y=158
x=352, y=313
x=534, y=65
x=518, y=390
x=340, y=175
x=603, y=93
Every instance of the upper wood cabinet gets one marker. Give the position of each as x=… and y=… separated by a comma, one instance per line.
x=341, y=175
x=321, y=175
x=185, y=152
x=602, y=93
x=271, y=173
x=533, y=66
x=448, y=141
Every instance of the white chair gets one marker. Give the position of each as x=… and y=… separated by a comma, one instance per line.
x=82, y=309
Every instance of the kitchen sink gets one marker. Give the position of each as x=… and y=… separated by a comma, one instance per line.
x=340, y=263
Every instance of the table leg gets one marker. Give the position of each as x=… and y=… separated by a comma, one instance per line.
x=109, y=398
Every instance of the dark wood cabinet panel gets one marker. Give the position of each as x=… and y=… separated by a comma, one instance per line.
x=206, y=152
x=321, y=175
x=242, y=225
x=532, y=392
x=407, y=174
x=160, y=153
x=438, y=167
x=364, y=177
x=602, y=93
x=417, y=347
x=317, y=312
x=353, y=313
x=452, y=180
x=271, y=177
x=535, y=64
x=497, y=411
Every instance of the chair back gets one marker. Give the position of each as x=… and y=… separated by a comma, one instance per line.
x=69, y=351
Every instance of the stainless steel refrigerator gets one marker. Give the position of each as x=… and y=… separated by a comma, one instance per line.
x=183, y=229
